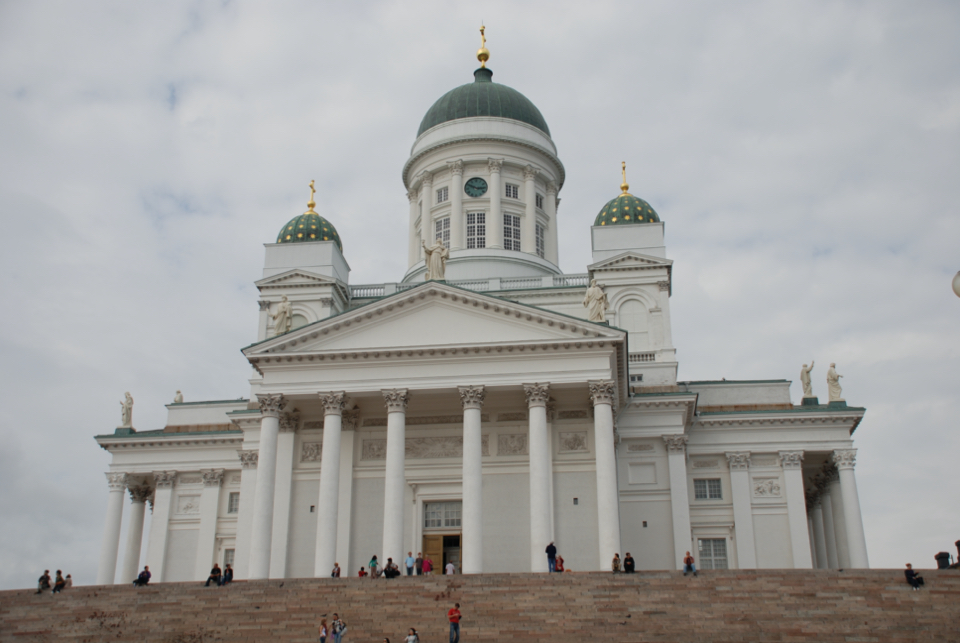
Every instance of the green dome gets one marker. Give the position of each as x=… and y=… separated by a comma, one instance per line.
x=625, y=210
x=483, y=97
x=308, y=226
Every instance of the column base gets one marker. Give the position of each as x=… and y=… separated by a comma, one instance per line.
x=837, y=404
x=810, y=401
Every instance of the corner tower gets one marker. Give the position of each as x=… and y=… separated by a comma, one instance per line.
x=483, y=176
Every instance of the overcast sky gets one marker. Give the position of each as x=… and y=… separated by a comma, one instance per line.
x=805, y=157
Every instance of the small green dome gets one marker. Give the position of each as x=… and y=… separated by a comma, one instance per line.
x=483, y=97
x=309, y=226
x=625, y=210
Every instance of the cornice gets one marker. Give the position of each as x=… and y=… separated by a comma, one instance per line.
x=686, y=401
x=708, y=421
x=171, y=440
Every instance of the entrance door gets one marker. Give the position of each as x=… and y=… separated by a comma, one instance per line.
x=433, y=549
x=451, y=552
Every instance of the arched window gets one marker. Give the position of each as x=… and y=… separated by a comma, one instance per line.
x=297, y=321
x=634, y=318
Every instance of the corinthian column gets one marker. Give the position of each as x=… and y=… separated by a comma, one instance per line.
x=551, y=208
x=262, y=532
x=528, y=240
x=829, y=532
x=540, y=474
x=413, y=251
x=286, y=439
x=427, y=233
x=157, y=545
x=328, y=502
x=742, y=509
x=472, y=515
x=458, y=237
x=139, y=494
x=819, y=540
x=207, y=534
x=846, y=460
x=248, y=489
x=679, y=500
x=495, y=222
x=602, y=394
x=110, y=545
x=394, y=476
x=792, y=462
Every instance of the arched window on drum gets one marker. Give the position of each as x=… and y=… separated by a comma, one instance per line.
x=297, y=321
x=634, y=318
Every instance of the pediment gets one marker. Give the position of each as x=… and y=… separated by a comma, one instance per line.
x=435, y=315
x=295, y=277
x=630, y=260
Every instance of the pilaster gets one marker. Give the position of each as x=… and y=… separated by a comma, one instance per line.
x=159, y=524
x=603, y=393
x=110, y=545
x=458, y=233
x=742, y=509
x=209, y=508
x=495, y=222
x=679, y=500
x=248, y=490
x=792, y=463
x=845, y=461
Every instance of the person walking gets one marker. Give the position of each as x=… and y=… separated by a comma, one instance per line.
x=419, y=563
x=59, y=584
x=628, y=564
x=412, y=636
x=913, y=577
x=336, y=571
x=688, y=565
x=615, y=565
x=427, y=566
x=410, y=562
x=373, y=564
x=455, y=616
x=551, y=557
x=338, y=628
x=451, y=570
x=43, y=583
x=323, y=630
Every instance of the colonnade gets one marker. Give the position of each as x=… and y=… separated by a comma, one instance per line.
x=833, y=516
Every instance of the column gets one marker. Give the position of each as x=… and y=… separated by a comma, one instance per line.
x=458, y=230
x=286, y=438
x=471, y=397
x=679, y=496
x=829, y=533
x=350, y=422
x=209, y=509
x=157, y=545
x=110, y=545
x=552, y=202
x=139, y=494
x=427, y=233
x=602, y=394
x=540, y=474
x=742, y=509
x=495, y=222
x=395, y=476
x=667, y=337
x=248, y=489
x=813, y=552
x=327, y=503
x=792, y=463
x=846, y=460
x=262, y=529
x=839, y=521
x=819, y=542
x=528, y=238
x=413, y=252
x=264, y=315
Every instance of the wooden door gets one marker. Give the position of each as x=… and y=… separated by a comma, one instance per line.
x=433, y=549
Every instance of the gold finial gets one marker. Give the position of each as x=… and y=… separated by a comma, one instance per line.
x=311, y=204
x=483, y=54
x=624, y=186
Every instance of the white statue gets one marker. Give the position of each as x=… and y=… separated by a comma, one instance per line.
x=436, y=260
x=178, y=398
x=805, y=380
x=283, y=318
x=595, y=302
x=833, y=384
x=126, y=412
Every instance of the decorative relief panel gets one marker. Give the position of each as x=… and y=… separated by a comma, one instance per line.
x=313, y=424
x=420, y=421
x=634, y=447
x=574, y=415
x=375, y=449
x=234, y=479
x=190, y=480
x=512, y=444
x=706, y=464
x=511, y=417
x=766, y=487
x=573, y=442
x=485, y=445
x=422, y=448
x=310, y=451
x=764, y=461
x=187, y=505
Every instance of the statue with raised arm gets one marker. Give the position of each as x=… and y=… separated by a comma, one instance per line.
x=805, y=380
x=833, y=384
x=178, y=398
x=283, y=318
x=126, y=412
x=595, y=302
x=435, y=257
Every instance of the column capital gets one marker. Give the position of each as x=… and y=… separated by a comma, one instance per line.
x=675, y=443
x=739, y=461
x=537, y=394
x=333, y=402
x=248, y=459
x=530, y=173
x=164, y=479
x=413, y=195
x=495, y=165
x=140, y=492
x=471, y=397
x=828, y=475
x=426, y=180
x=351, y=420
x=456, y=167
x=212, y=477
x=791, y=459
x=264, y=305
x=270, y=405
x=602, y=392
x=396, y=399
x=845, y=458
x=116, y=481
x=552, y=188
x=289, y=422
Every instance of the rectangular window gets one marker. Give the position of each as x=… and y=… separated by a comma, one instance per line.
x=513, y=191
x=233, y=502
x=443, y=194
x=541, y=242
x=511, y=232
x=441, y=514
x=713, y=553
x=476, y=230
x=540, y=201
x=708, y=489
x=443, y=231
x=228, y=556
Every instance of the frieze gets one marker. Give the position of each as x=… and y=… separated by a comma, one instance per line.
x=190, y=480
x=764, y=461
x=512, y=444
x=573, y=442
x=574, y=415
x=421, y=448
x=766, y=487
x=311, y=451
x=420, y=421
x=511, y=417
x=706, y=464
x=234, y=479
x=313, y=424
x=634, y=447
x=187, y=505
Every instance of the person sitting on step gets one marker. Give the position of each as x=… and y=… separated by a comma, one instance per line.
x=915, y=579
x=214, y=576
x=615, y=565
x=688, y=565
x=143, y=579
x=628, y=564
x=227, y=575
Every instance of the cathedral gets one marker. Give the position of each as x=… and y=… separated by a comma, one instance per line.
x=485, y=404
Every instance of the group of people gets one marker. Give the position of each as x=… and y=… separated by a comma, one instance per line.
x=628, y=565
x=335, y=630
x=453, y=615
x=59, y=584
x=418, y=566
x=554, y=561
x=220, y=577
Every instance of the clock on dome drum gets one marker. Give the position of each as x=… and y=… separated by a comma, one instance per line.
x=475, y=187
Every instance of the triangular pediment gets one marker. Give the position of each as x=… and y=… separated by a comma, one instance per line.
x=295, y=277
x=628, y=260
x=435, y=315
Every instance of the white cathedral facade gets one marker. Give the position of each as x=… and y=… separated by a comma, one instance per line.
x=478, y=417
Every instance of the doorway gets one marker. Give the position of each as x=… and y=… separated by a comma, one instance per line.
x=442, y=549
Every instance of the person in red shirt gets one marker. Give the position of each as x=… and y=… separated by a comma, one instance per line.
x=362, y=573
x=454, y=616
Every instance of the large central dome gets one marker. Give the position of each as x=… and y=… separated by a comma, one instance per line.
x=483, y=97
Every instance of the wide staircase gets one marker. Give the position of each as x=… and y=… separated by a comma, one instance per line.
x=768, y=605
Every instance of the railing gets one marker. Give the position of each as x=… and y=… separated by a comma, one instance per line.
x=643, y=357
x=362, y=292
x=571, y=280
x=521, y=283
x=371, y=291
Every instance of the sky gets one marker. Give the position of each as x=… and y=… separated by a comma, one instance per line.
x=805, y=157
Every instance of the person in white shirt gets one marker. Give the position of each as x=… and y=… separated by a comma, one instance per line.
x=451, y=570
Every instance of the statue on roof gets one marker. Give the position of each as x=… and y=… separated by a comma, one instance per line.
x=178, y=398
x=805, y=380
x=833, y=384
x=435, y=257
x=283, y=318
x=126, y=412
x=595, y=302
